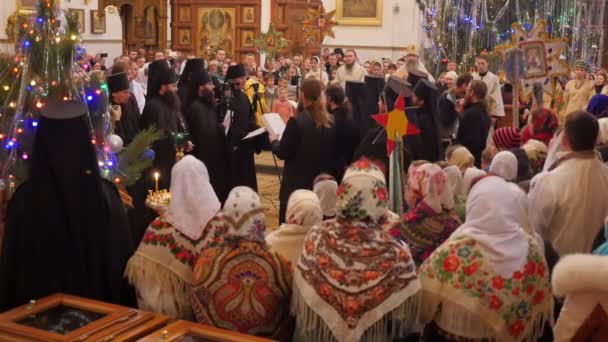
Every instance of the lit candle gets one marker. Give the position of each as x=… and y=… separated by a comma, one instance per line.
x=156, y=176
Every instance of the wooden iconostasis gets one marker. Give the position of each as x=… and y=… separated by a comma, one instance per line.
x=199, y=27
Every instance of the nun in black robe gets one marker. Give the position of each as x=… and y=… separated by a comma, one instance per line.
x=66, y=229
x=240, y=152
x=206, y=132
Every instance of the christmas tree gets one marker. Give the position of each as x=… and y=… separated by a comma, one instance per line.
x=44, y=69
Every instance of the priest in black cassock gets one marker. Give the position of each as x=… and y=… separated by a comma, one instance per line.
x=193, y=67
x=206, y=132
x=66, y=229
x=163, y=111
x=235, y=103
x=125, y=111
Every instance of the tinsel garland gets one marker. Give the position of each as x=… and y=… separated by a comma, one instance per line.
x=459, y=30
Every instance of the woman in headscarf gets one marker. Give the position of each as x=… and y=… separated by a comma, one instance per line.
x=303, y=212
x=161, y=269
x=461, y=157
x=241, y=285
x=326, y=188
x=542, y=123
x=598, y=106
x=537, y=153
x=469, y=177
x=316, y=71
x=456, y=182
x=354, y=282
x=430, y=219
x=504, y=165
x=489, y=281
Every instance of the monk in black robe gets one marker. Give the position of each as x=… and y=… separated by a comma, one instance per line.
x=426, y=96
x=66, y=229
x=163, y=111
x=242, y=121
x=185, y=92
x=206, y=132
x=125, y=111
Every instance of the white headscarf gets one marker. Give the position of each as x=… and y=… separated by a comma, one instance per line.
x=245, y=216
x=193, y=200
x=455, y=178
x=327, y=191
x=469, y=176
x=504, y=164
x=462, y=158
x=494, y=220
x=303, y=212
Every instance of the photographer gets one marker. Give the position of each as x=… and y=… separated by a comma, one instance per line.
x=255, y=91
x=241, y=120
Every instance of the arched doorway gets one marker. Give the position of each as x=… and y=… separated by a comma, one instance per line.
x=144, y=22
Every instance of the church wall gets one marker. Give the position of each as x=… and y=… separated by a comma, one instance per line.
x=374, y=42
x=109, y=42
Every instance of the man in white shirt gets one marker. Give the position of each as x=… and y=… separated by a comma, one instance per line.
x=136, y=88
x=497, y=108
x=351, y=70
x=568, y=203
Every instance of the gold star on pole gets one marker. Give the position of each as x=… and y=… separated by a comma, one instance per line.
x=270, y=42
x=319, y=24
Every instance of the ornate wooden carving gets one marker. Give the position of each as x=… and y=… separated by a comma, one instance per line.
x=245, y=26
x=133, y=13
x=287, y=16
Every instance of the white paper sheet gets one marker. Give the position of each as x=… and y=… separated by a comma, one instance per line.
x=274, y=123
x=255, y=133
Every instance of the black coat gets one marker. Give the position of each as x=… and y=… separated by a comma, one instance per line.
x=307, y=151
x=428, y=123
x=347, y=140
x=160, y=115
x=209, y=144
x=240, y=152
x=128, y=126
x=473, y=130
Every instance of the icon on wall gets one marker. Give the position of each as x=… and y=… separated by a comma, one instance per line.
x=248, y=15
x=79, y=14
x=98, y=24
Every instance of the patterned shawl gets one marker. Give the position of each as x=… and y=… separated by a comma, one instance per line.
x=353, y=281
x=165, y=259
x=490, y=279
x=241, y=285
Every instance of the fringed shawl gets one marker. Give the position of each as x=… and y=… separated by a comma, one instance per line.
x=461, y=292
x=354, y=281
x=165, y=259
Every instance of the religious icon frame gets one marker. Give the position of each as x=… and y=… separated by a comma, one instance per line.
x=95, y=28
x=345, y=18
x=80, y=15
x=181, y=329
x=248, y=15
x=245, y=34
x=183, y=14
x=118, y=323
x=184, y=32
x=537, y=67
x=26, y=6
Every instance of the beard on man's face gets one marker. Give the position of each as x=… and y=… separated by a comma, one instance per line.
x=208, y=97
x=170, y=98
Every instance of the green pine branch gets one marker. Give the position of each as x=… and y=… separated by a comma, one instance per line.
x=131, y=160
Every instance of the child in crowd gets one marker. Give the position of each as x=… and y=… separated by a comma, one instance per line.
x=283, y=106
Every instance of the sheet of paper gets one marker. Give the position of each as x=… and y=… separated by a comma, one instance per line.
x=274, y=123
x=226, y=122
x=255, y=133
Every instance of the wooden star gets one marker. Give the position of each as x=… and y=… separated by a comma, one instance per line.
x=397, y=124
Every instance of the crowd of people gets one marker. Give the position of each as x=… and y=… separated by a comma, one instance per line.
x=499, y=224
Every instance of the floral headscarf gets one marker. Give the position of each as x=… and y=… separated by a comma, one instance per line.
x=363, y=196
x=430, y=185
x=304, y=209
x=353, y=278
x=244, y=214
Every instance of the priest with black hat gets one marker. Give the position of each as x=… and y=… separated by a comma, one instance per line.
x=206, y=132
x=66, y=229
x=125, y=111
x=163, y=111
x=235, y=103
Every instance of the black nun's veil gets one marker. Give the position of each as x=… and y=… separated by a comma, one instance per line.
x=66, y=230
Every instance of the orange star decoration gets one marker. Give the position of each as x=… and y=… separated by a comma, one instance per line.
x=319, y=24
x=397, y=124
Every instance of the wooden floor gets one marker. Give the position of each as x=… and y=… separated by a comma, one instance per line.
x=268, y=187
